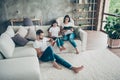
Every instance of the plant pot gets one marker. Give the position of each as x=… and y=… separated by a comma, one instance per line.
x=113, y=43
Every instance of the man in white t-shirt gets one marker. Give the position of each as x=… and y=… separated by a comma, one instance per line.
x=45, y=53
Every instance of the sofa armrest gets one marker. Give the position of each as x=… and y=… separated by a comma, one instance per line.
x=83, y=37
x=26, y=68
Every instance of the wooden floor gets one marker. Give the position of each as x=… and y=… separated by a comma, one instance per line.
x=98, y=40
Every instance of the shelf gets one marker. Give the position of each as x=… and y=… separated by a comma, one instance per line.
x=84, y=3
x=86, y=25
x=12, y=21
x=84, y=18
x=84, y=11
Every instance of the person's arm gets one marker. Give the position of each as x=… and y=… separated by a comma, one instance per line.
x=39, y=52
x=49, y=34
x=59, y=32
x=62, y=30
x=51, y=41
x=36, y=45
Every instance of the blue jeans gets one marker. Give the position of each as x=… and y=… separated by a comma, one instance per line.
x=49, y=55
x=59, y=41
x=70, y=38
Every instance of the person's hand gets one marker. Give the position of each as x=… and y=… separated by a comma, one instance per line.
x=64, y=31
x=72, y=29
x=39, y=53
x=53, y=43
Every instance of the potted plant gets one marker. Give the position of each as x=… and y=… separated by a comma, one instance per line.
x=112, y=28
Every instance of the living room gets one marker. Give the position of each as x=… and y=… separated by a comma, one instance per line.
x=98, y=54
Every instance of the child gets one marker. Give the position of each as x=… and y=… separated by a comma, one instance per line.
x=46, y=53
x=54, y=32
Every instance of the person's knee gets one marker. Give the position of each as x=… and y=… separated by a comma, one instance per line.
x=72, y=36
x=73, y=43
x=50, y=48
x=71, y=40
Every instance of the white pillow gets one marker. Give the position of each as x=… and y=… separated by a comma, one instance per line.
x=31, y=34
x=22, y=32
x=7, y=45
x=10, y=31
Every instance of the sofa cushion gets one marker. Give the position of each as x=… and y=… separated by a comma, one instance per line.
x=31, y=34
x=10, y=31
x=20, y=41
x=26, y=68
x=24, y=52
x=27, y=22
x=22, y=32
x=6, y=45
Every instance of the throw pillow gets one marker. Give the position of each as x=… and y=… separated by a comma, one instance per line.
x=31, y=34
x=22, y=32
x=19, y=40
x=7, y=45
x=27, y=22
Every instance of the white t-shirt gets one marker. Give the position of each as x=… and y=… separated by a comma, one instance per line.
x=42, y=44
x=54, y=31
x=67, y=25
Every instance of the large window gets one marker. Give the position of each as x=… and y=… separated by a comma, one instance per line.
x=110, y=7
x=114, y=4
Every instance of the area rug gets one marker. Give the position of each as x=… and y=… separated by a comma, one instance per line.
x=98, y=65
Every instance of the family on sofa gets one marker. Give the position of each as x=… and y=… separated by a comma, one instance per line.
x=25, y=49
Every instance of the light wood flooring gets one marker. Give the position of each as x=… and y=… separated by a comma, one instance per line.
x=98, y=40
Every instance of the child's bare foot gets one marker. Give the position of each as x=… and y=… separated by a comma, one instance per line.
x=56, y=65
x=60, y=49
x=77, y=52
x=77, y=69
x=63, y=48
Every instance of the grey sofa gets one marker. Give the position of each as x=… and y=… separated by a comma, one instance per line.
x=20, y=63
x=81, y=40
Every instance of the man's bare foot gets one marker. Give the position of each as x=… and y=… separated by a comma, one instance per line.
x=77, y=69
x=56, y=65
x=77, y=52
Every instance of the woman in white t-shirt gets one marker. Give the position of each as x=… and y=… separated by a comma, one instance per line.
x=68, y=32
x=45, y=53
x=54, y=32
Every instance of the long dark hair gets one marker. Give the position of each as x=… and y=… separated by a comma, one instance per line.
x=66, y=16
x=54, y=21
